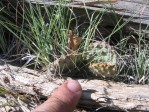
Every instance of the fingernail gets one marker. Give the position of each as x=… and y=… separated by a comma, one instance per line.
x=73, y=86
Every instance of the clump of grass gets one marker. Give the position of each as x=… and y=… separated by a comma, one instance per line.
x=133, y=64
x=45, y=39
x=9, y=44
x=139, y=65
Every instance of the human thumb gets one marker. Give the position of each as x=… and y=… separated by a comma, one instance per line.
x=63, y=99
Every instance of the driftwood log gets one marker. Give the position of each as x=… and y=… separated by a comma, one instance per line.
x=96, y=93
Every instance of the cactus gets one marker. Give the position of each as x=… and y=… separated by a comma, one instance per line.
x=102, y=59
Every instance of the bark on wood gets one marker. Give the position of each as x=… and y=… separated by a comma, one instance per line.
x=95, y=92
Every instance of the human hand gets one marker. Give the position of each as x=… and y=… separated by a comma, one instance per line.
x=63, y=99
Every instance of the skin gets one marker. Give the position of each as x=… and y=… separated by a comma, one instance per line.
x=63, y=99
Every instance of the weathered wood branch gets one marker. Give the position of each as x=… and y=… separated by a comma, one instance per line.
x=95, y=92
